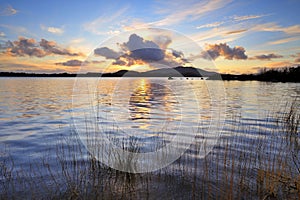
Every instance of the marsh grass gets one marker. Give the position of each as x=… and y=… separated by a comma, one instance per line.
x=247, y=163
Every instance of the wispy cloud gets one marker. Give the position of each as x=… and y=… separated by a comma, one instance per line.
x=211, y=25
x=235, y=20
x=135, y=24
x=273, y=27
x=54, y=30
x=190, y=11
x=284, y=40
x=220, y=34
x=77, y=40
x=7, y=10
x=247, y=17
x=2, y=34
x=227, y=30
x=100, y=25
x=280, y=64
x=19, y=30
x=292, y=30
x=236, y=31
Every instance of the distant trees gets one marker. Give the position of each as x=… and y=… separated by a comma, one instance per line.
x=284, y=74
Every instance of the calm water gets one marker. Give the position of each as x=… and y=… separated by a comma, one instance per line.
x=36, y=112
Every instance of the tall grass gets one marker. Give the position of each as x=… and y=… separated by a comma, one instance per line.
x=247, y=163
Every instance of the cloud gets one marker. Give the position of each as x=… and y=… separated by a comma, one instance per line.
x=52, y=48
x=236, y=31
x=29, y=47
x=211, y=25
x=176, y=53
x=297, y=57
x=7, y=10
x=279, y=64
x=266, y=56
x=143, y=49
x=222, y=34
x=214, y=51
x=71, y=63
x=2, y=34
x=139, y=51
x=246, y=17
x=106, y=52
x=16, y=29
x=24, y=46
x=189, y=11
x=163, y=41
x=225, y=34
x=273, y=27
x=235, y=19
x=284, y=40
x=100, y=25
x=135, y=24
x=291, y=29
x=54, y=30
x=76, y=63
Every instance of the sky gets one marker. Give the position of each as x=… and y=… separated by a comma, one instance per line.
x=234, y=36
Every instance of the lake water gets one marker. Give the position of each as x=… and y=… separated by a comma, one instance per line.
x=36, y=112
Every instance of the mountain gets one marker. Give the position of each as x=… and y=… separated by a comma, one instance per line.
x=178, y=72
x=166, y=72
x=122, y=73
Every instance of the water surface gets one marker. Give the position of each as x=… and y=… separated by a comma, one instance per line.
x=36, y=112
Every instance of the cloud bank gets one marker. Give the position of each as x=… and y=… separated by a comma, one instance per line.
x=138, y=50
x=30, y=47
x=214, y=51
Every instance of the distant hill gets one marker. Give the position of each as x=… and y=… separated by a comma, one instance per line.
x=178, y=72
x=165, y=72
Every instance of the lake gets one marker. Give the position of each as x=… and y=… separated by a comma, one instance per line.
x=174, y=131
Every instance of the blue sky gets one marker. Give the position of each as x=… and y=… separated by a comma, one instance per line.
x=240, y=36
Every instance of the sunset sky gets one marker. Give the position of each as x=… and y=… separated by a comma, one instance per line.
x=57, y=36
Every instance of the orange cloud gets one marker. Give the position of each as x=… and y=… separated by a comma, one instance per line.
x=213, y=51
x=236, y=31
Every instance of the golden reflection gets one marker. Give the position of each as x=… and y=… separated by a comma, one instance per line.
x=151, y=101
x=139, y=105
